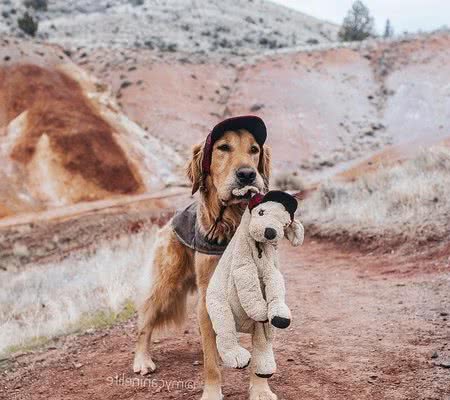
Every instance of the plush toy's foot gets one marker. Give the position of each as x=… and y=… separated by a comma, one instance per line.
x=280, y=322
x=143, y=364
x=245, y=366
x=236, y=358
x=266, y=376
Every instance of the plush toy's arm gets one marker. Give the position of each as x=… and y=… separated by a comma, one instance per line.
x=274, y=282
x=248, y=288
x=278, y=312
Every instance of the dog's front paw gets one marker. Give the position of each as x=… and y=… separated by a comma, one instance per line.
x=262, y=392
x=143, y=364
x=280, y=316
x=212, y=392
x=237, y=358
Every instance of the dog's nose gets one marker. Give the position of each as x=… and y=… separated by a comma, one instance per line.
x=270, y=233
x=246, y=175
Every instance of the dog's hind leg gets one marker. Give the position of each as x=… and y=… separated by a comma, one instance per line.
x=143, y=362
x=173, y=277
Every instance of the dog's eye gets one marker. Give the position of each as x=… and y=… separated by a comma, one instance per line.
x=254, y=149
x=224, y=147
x=261, y=212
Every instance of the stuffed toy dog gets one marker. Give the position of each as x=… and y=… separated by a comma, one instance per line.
x=246, y=292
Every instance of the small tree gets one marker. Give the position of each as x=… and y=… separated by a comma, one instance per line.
x=39, y=5
x=358, y=24
x=28, y=24
x=388, y=30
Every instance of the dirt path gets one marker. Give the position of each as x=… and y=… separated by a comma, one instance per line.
x=366, y=327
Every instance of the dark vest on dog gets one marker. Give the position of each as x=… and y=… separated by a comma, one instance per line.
x=186, y=229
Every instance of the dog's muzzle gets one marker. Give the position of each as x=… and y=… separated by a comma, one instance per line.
x=246, y=175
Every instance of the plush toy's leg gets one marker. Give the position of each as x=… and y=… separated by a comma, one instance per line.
x=222, y=318
x=232, y=354
x=263, y=360
x=263, y=363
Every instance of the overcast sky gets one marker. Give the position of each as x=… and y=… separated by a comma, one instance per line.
x=405, y=15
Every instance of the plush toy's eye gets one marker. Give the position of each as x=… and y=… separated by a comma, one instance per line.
x=261, y=212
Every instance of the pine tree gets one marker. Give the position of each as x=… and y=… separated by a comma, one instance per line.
x=388, y=30
x=28, y=24
x=358, y=24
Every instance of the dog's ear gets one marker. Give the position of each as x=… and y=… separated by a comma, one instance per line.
x=265, y=165
x=194, y=167
x=295, y=233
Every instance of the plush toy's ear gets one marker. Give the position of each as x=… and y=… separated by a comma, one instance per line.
x=295, y=233
x=194, y=167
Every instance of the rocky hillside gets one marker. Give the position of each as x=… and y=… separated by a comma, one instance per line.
x=202, y=27
x=199, y=27
x=340, y=109
x=328, y=109
x=63, y=139
x=178, y=67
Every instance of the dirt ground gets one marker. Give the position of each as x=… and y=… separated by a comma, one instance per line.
x=366, y=326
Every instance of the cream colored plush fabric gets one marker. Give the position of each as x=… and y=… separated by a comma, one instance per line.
x=246, y=292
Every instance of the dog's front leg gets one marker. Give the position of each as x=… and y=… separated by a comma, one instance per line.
x=260, y=389
x=205, y=266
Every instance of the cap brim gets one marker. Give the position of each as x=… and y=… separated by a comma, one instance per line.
x=251, y=123
x=289, y=202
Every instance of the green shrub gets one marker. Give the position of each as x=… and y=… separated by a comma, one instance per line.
x=40, y=5
x=288, y=181
x=28, y=24
x=358, y=24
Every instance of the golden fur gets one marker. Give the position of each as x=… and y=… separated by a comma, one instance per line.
x=177, y=270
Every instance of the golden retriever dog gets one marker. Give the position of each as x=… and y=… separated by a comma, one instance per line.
x=235, y=159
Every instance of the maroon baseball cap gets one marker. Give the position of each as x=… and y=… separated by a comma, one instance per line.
x=251, y=123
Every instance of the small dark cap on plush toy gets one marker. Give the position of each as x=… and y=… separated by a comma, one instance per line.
x=289, y=202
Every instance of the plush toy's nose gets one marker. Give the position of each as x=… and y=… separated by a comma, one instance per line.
x=270, y=233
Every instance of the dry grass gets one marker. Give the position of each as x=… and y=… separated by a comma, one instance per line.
x=288, y=181
x=406, y=202
x=75, y=294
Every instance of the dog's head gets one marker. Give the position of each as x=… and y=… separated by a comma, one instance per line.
x=272, y=218
x=234, y=159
